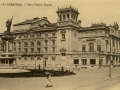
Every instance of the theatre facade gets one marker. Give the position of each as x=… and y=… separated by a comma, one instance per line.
x=38, y=42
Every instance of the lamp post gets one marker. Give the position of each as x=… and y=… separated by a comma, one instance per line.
x=110, y=60
x=35, y=59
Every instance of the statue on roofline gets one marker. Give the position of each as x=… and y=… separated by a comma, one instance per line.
x=8, y=25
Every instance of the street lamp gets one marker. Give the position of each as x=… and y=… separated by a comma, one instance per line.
x=110, y=60
x=110, y=68
x=35, y=59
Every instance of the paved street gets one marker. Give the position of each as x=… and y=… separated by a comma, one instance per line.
x=85, y=78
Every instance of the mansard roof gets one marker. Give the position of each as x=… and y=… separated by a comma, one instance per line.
x=31, y=21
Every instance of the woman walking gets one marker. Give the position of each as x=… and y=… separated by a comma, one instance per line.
x=49, y=81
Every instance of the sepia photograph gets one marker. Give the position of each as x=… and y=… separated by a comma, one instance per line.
x=59, y=45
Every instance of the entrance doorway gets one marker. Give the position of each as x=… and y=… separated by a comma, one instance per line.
x=100, y=62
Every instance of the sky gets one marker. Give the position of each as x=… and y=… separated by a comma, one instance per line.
x=91, y=11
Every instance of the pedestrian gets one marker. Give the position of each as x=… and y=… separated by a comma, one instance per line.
x=49, y=81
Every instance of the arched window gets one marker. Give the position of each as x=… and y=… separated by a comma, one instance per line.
x=32, y=58
x=25, y=58
x=91, y=47
x=32, y=44
x=38, y=43
x=19, y=58
x=25, y=44
x=38, y=58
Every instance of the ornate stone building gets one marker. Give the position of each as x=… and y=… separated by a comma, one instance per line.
x=65, y=43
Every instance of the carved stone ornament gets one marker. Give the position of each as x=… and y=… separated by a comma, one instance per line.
x=63, y=50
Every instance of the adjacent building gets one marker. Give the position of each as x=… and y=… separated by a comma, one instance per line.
x=39, y=42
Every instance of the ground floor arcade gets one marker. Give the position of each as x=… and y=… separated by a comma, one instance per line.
x=82, y=61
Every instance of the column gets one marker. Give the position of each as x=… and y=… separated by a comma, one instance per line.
x=58, y=18
x=61, y=17
x=6, y=46
x=70, y=40
x=104, y=60
x=8, y=62
x=97, y=61
x=117, y=45
x=88, y=61
x=115, y=60
x=69, y=16
x=111, y=44
x=66, y=17
x=118, y=60
x=5, y=61
x=22, y=46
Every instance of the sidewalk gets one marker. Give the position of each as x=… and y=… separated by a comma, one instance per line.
x=82, y=78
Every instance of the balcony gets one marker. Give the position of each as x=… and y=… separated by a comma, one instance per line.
x=88, y=52
x=31, y=53
x=9, y=53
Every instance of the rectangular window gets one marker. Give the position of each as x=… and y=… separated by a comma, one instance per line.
x=92, y=61
x=38, y=50
x=99, y=47
x=26, y=50
x=53, y=51
x=32, y=50
x=84, y=61
x=91, y=47
x=83, y=48
x=63, y=36
x=76, y=61
x=53, y=59
x=45, y=49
